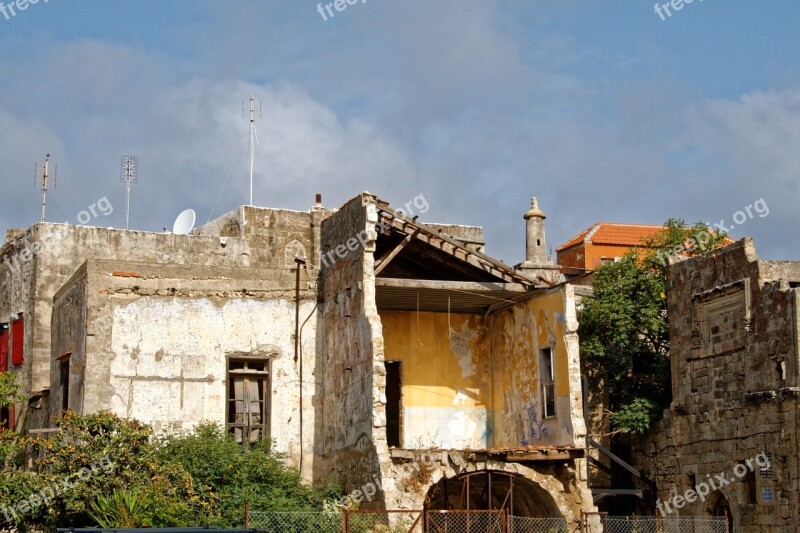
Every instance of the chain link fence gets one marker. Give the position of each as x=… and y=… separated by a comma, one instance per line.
x=521, y=524
x=295, y=522
x=466, y=521
x=471, y=522
x=651, y=524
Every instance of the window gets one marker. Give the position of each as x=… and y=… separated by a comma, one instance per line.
x=3, y=347
x=7, y=418
x=749, y=484
x=248, y=399
x=63, y=380
x=17, y=341
x=394, y=398
x=547, y=380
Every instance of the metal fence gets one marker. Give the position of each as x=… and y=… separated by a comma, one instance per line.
x=521, y=524
x=466, y=521
x=362, y=521
x=651, y=524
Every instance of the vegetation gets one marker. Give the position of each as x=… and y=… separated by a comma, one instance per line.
x=623, y=327
x=101, y=470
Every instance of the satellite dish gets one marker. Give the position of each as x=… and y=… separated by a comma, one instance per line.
x=184, y=223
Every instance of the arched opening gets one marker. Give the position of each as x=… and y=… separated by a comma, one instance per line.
x=718, y=505
x=489, y=490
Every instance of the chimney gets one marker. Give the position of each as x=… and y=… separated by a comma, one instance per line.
x=536, y=265
x=535, y=248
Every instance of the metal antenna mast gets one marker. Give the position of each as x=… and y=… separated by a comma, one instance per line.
x=253, y=139
x=43, y=173
x=128, y=173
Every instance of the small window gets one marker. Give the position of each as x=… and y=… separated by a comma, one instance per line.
x=766, y=495
x=17, y=341
x=547, y=378
x=749, y=484
x=4, y=347
x=7, y=418
x=394, y=403
x=248, y=399
x=64, y=380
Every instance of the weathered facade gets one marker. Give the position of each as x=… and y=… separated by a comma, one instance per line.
x=393, y=339
x=734, y=348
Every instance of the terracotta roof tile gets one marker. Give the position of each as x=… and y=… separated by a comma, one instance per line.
x=613, y=234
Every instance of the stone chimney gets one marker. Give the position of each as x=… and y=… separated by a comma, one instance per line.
x=535, y=248
x=536, y=265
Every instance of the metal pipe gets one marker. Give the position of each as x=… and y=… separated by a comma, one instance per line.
x=298, y=262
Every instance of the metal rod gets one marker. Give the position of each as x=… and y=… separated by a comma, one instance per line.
x=297, y=357
x=44, y=186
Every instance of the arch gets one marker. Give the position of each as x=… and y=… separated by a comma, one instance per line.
x=492, y=489
x=719, y=505
x=293, y=249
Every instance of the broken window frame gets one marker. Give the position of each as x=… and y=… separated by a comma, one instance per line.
x=548, y=382
x=247, y=421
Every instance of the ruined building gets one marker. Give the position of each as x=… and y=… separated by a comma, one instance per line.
x=355, y=338
x=731, y=433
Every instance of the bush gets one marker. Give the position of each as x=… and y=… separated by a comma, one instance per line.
x=236, y=475
x=102, y=470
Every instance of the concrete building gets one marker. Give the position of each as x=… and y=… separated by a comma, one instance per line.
x=731, y=433
x=388, y=339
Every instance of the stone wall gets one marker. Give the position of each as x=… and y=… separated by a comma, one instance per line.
x=158, y=338
x=42, y=259
x=351, y=436
x=733, y=338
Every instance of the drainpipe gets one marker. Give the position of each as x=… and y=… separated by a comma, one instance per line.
x=298, y=262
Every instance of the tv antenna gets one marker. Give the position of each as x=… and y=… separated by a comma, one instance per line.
x=41, y=175
x=128, y=173
x=253, y=139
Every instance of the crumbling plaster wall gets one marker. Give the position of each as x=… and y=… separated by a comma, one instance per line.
x=158, y=338
x=59, y=249
x=446, y=385
x=730, y=403
x=41, y=259
x=516, y=337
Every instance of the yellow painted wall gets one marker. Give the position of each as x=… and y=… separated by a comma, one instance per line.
x=473, y=382
x=516, y=336
x=444, y=368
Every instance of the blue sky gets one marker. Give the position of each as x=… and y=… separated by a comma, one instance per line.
x=601, y=109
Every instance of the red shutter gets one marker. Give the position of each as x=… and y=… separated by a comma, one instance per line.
x=12, y=417
x=4, y=350
x=17, y=341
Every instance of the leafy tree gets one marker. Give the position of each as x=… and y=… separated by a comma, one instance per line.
x=623, y=325
x=10, y=389
x=100, y=454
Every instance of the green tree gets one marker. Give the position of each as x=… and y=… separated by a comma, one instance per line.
x=10, y=390
x=623, y=325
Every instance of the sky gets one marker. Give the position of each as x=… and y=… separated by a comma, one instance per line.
x=605, y=111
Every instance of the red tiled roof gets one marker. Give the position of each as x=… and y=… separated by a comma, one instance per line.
x=613, y=234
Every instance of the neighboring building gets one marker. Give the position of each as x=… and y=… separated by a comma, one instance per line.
x=601, y=243
x=410, y=340
x=734, y=347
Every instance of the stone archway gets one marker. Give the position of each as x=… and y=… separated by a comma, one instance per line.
x=718, y=505
x=491, y=490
